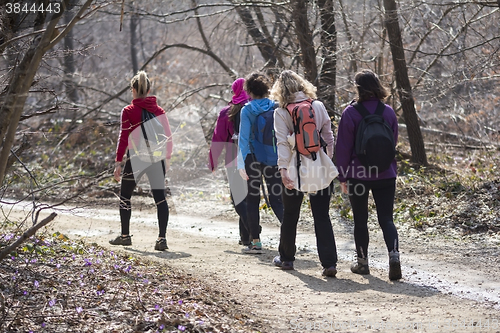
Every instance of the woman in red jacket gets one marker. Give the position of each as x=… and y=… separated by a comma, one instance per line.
x=131, y=119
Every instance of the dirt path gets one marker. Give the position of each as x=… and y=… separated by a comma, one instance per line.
x=447, y=286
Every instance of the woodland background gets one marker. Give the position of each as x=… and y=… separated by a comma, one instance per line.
x=64, y=78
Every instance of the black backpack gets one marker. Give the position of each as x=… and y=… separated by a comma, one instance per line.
x=374, y=145
x=153, y=141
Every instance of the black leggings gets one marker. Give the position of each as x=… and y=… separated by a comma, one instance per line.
x=383, y=191
x=238, y=189
x=156, y=176
x=255, y=170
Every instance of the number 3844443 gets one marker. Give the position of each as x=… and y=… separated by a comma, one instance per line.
x=25, y=8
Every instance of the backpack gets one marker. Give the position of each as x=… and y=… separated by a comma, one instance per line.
x=307, y=138
x=264, y=145
x=152, y=143
x=374, y=145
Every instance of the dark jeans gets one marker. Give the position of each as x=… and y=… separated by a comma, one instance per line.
x=383, y=192
x=320, y=207
x=156, y=176
x=238, y=189
x=255, y=171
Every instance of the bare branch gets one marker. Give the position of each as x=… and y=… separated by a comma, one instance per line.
x=27, y=234
x=70, y=25
x=433, y=62
x=41, y=113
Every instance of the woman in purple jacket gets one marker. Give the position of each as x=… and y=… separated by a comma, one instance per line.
x=226, y=138
x=356, y=180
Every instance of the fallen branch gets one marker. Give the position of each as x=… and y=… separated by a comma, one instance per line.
x=456, y=145
x=453, y=136
x=27, y=234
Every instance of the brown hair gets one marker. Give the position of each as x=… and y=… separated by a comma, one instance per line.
x=368, y=85
x=140, y=82
x=257, y=84
x=234, y=110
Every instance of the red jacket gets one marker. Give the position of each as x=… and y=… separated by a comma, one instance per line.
x=131, y=118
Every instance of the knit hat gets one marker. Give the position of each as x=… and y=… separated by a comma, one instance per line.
x=239, y=95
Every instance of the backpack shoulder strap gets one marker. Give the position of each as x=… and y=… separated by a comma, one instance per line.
x=361, y=109
x=380, y=108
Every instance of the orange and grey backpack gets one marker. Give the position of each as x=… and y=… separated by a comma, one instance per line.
x=307, y=137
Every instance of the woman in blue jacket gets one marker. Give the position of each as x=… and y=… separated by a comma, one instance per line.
x=257, y=86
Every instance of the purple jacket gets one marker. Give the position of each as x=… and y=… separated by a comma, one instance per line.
x=348, y=163
x=223, y=139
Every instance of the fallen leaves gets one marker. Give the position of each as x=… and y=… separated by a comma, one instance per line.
x=95, y=290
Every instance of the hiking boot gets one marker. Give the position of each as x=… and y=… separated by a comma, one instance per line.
x=161, y=245
x=330, y=271
x=360, y=266
x=285, y=265
x=394, y=266
x=120, y=240
x=253, y=248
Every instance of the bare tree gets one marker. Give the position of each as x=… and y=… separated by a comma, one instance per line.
x=305, y=37
x=403, y=83
x=328, y=76
x=24, y=73
x=69, y=64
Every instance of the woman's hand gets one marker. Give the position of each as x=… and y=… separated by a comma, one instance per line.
x=343, y=187
x=243, y=174
x=285, y=178
x=118, y=171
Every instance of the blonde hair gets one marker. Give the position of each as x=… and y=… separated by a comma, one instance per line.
x=287, y=84
x=140, y=82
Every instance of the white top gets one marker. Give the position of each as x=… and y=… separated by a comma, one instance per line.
x=283, y=127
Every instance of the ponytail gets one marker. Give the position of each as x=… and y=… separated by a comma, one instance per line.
x=140, y=82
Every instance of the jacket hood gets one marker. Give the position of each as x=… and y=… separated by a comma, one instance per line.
x=149, y=103
x=258, y=106
x=300, y=96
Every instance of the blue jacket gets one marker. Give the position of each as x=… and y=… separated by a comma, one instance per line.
x=247, y=120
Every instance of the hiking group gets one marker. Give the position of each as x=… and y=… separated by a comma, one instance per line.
x=278, y=134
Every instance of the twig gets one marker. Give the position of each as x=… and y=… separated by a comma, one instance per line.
x=121, y=15
x=27, y=234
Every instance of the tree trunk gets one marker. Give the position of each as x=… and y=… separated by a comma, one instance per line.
x=353, y=66
x=304, y=35
x=69, y=65
x=134, y=19
x=259, y=39
x=403, y=83
x=328, y=76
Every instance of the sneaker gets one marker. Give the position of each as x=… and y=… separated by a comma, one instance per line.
x=394, y=266
x=285, y=265
x=330, y=271
x=253, y=248
x=120, y=240
x=360, y=266
x=161, y=245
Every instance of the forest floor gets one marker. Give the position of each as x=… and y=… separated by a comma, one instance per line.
x=203, y=282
